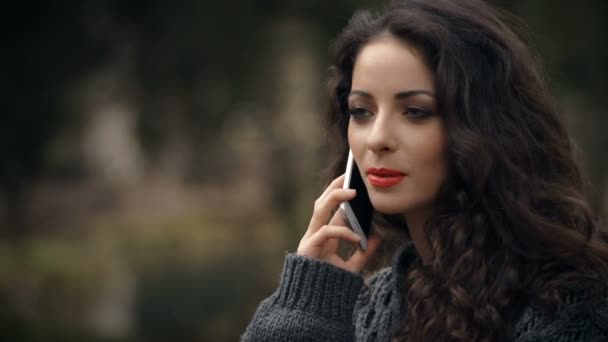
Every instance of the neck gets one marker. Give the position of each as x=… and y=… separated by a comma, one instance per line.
x=415, y=223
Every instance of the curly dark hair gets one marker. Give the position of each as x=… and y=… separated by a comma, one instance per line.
x=511, y=225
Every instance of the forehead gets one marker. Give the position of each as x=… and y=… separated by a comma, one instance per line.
x=387, y=63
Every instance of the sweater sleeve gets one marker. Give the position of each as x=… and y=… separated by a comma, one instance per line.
x=313, y=302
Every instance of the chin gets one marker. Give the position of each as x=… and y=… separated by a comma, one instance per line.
x=389, y=207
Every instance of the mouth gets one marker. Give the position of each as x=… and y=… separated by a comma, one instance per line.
x=384, y=177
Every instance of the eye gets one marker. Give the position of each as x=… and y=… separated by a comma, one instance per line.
x=359, y=112
x=415, y=112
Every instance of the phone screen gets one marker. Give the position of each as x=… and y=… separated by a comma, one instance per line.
x=357, y=212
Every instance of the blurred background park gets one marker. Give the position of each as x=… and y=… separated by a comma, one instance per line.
x=159, y=158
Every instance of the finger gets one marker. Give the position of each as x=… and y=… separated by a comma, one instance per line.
x=330, y=247
x=335, y=184
x=358, y=260
x=336, y=232
x=333, y=245
x=337, y=219
x=323, y=210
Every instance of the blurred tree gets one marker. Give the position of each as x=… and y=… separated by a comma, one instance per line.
x=195, y=63
x=45, y=47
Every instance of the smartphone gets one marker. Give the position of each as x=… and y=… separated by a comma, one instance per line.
x=357, y=212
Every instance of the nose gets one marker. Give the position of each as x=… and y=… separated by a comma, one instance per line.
x=381, y=138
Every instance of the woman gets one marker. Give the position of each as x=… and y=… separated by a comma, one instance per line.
x=503, y=245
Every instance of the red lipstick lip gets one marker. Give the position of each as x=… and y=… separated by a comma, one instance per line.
x=384, y=172
x=383, y=177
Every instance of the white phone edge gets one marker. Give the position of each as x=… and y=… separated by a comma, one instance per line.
x=345, y=208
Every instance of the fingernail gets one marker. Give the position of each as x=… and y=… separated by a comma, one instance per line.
x=352, y=191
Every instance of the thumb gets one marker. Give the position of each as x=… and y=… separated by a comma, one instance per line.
x=359, y=259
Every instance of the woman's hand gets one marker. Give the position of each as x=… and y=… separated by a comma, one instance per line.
x=321, y=240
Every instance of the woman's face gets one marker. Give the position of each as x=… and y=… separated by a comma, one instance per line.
x=397, y=137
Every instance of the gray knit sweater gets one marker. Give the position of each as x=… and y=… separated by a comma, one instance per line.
x=316, y=301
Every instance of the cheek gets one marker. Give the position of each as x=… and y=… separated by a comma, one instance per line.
x=431, y=156
x=349, y=133
x=355, y=136
x=435, y=172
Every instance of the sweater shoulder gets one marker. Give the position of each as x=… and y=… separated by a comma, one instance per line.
x=574, y=320
x=380, y=277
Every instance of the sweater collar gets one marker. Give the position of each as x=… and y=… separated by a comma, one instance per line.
x=404, y=257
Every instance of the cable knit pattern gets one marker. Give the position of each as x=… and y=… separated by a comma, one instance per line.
x=377, y=310
x=316, y=301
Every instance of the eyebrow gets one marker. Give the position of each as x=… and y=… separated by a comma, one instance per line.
x=399, y=95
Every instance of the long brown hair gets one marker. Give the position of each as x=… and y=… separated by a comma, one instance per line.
x=512, y=226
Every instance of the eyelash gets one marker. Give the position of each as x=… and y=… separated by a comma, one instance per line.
x=422, y=113
x=419, y=112
x=359, y=112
